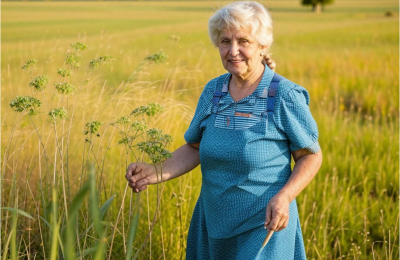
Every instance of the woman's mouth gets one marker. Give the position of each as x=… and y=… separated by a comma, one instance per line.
x=235, y=61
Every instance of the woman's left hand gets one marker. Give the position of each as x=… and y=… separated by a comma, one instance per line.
x=270, y=62
x=277, y=216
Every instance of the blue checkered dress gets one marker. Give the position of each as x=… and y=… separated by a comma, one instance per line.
x=245, y=157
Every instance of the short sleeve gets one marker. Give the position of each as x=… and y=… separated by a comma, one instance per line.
x=194, y=133
x=297, y=122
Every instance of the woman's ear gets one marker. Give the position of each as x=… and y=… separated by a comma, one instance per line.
x=263, y=51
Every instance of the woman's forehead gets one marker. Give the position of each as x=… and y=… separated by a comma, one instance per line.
x=241, y=33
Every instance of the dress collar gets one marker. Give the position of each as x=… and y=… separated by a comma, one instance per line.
x=261, y=90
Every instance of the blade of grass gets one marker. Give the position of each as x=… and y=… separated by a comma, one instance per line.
x=14, y=237
x=18, y=211
x=133, y=227
x=95, y=215
x=103, y=211
x=94, y=202
x=87, y=251
x=55, y=226
x=5, y=249
x=46, y=222
x=104, y=208
x=71, y=225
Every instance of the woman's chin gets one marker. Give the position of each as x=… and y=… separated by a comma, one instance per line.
x=235, y=71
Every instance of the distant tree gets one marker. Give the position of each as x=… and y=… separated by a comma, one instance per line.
x=316, y=4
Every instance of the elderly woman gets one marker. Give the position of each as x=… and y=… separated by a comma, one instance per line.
x=247, y=126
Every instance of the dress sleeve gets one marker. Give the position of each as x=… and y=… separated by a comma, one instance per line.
x=194, y=133
x=297, y=122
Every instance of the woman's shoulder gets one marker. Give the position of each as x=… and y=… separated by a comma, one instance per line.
x=211, y=85
x=206, y=97
x=290, y=91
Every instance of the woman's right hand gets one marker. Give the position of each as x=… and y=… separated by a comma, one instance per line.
x=139, y=175
x=183, y=160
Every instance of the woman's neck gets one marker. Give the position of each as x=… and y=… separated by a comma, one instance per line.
x=240, y=87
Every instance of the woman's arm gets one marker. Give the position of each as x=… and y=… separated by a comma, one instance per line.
x=306, y=167
x=183, y=160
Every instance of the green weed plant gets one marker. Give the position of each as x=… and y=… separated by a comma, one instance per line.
x=75, y=228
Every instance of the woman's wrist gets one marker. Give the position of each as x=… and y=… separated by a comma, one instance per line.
x=161, y=173
x=285, y=194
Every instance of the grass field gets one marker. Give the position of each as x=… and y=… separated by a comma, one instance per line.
x=346, y=57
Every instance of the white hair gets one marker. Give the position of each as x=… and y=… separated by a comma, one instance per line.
x=247, y=15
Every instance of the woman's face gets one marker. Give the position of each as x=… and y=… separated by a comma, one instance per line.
x=240, y=53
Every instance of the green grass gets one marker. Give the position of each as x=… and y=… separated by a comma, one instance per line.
x=347, y=58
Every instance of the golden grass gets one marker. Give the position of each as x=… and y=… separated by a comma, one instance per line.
x=347, y=58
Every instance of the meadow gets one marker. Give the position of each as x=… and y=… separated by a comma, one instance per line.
x=66, y=177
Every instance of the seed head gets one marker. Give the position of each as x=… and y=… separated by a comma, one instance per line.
x=65, y=72
x=154, y=150
x=126, y=140
x=39, y=83
x=139, y=126
x=92, y=127
x=108, y=59
x=73, y=59
x=150, y=110
x=25, y=103
x=78, y=46
x=30, y=65
x=64, y=88
x=123, y=120
x=57, y=114
x=157, y=57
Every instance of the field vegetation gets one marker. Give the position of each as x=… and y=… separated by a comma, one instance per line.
x=65, y=150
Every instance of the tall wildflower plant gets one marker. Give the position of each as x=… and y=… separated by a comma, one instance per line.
x=56, y=209
x=68, y=215
x=158, y=57
x=143, y=144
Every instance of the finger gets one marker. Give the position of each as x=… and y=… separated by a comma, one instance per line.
x=284, y=225
x=280, y=226
x=139, y=189
x=268, y=216
x=271, y=64
x=130, y=170
x=273, y=224
x=142, y=188
x=133, y=187
x=142, y=182
x=140, y=174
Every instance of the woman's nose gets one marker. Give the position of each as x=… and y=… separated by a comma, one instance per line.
x=234, y=49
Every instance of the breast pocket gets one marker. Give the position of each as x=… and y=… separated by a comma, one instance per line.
x=245, y=120
x=224, y=121
x=239, y=116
